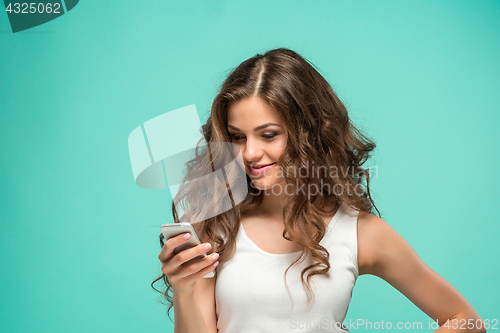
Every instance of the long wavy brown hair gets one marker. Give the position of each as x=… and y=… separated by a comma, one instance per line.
x=320, y=133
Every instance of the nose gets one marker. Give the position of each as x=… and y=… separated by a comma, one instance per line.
x=252, y=151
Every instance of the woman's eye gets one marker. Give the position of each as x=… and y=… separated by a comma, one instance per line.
x=269, y=136
x=266, y=136
x=236, y=137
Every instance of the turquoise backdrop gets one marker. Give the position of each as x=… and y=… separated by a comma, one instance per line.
x=79, y=239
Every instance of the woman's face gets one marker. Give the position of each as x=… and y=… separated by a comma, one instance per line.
x=261, y=136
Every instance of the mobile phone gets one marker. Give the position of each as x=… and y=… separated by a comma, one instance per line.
x=174, y=229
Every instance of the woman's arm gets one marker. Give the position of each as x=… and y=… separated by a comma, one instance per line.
x=384, y=253
x=188, y=316
x=193, y=295
x=195, y=312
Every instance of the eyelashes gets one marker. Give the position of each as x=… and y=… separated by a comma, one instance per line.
x=265, y=136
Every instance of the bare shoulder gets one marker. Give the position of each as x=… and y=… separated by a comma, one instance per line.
x=384, y=253
x=375, y=237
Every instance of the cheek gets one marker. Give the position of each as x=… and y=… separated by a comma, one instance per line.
x=238, y=149
x=279, y=149
x=238, y=155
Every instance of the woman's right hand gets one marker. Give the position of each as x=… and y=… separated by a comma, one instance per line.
x=183, y=278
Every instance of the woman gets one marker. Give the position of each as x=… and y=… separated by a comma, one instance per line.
x=291, y=252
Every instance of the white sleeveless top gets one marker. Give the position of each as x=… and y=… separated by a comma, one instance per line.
x=250, y=290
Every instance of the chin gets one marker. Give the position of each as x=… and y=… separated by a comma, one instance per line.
x=265, y=184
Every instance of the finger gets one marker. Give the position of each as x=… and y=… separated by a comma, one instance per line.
x=197, y=271
x=167, y=250
x=171, y=265
x=177, y=272
x=184, y=256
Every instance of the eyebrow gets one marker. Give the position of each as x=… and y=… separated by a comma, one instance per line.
x=256, y=128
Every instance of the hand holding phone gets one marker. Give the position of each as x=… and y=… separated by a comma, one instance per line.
x=184, y=260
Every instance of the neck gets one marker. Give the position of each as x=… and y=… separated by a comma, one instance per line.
x=273, y=205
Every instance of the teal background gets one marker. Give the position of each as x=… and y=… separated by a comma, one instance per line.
x=78, y=238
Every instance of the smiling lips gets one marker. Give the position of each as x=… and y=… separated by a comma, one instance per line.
x=259, y=166
x=260, y=169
